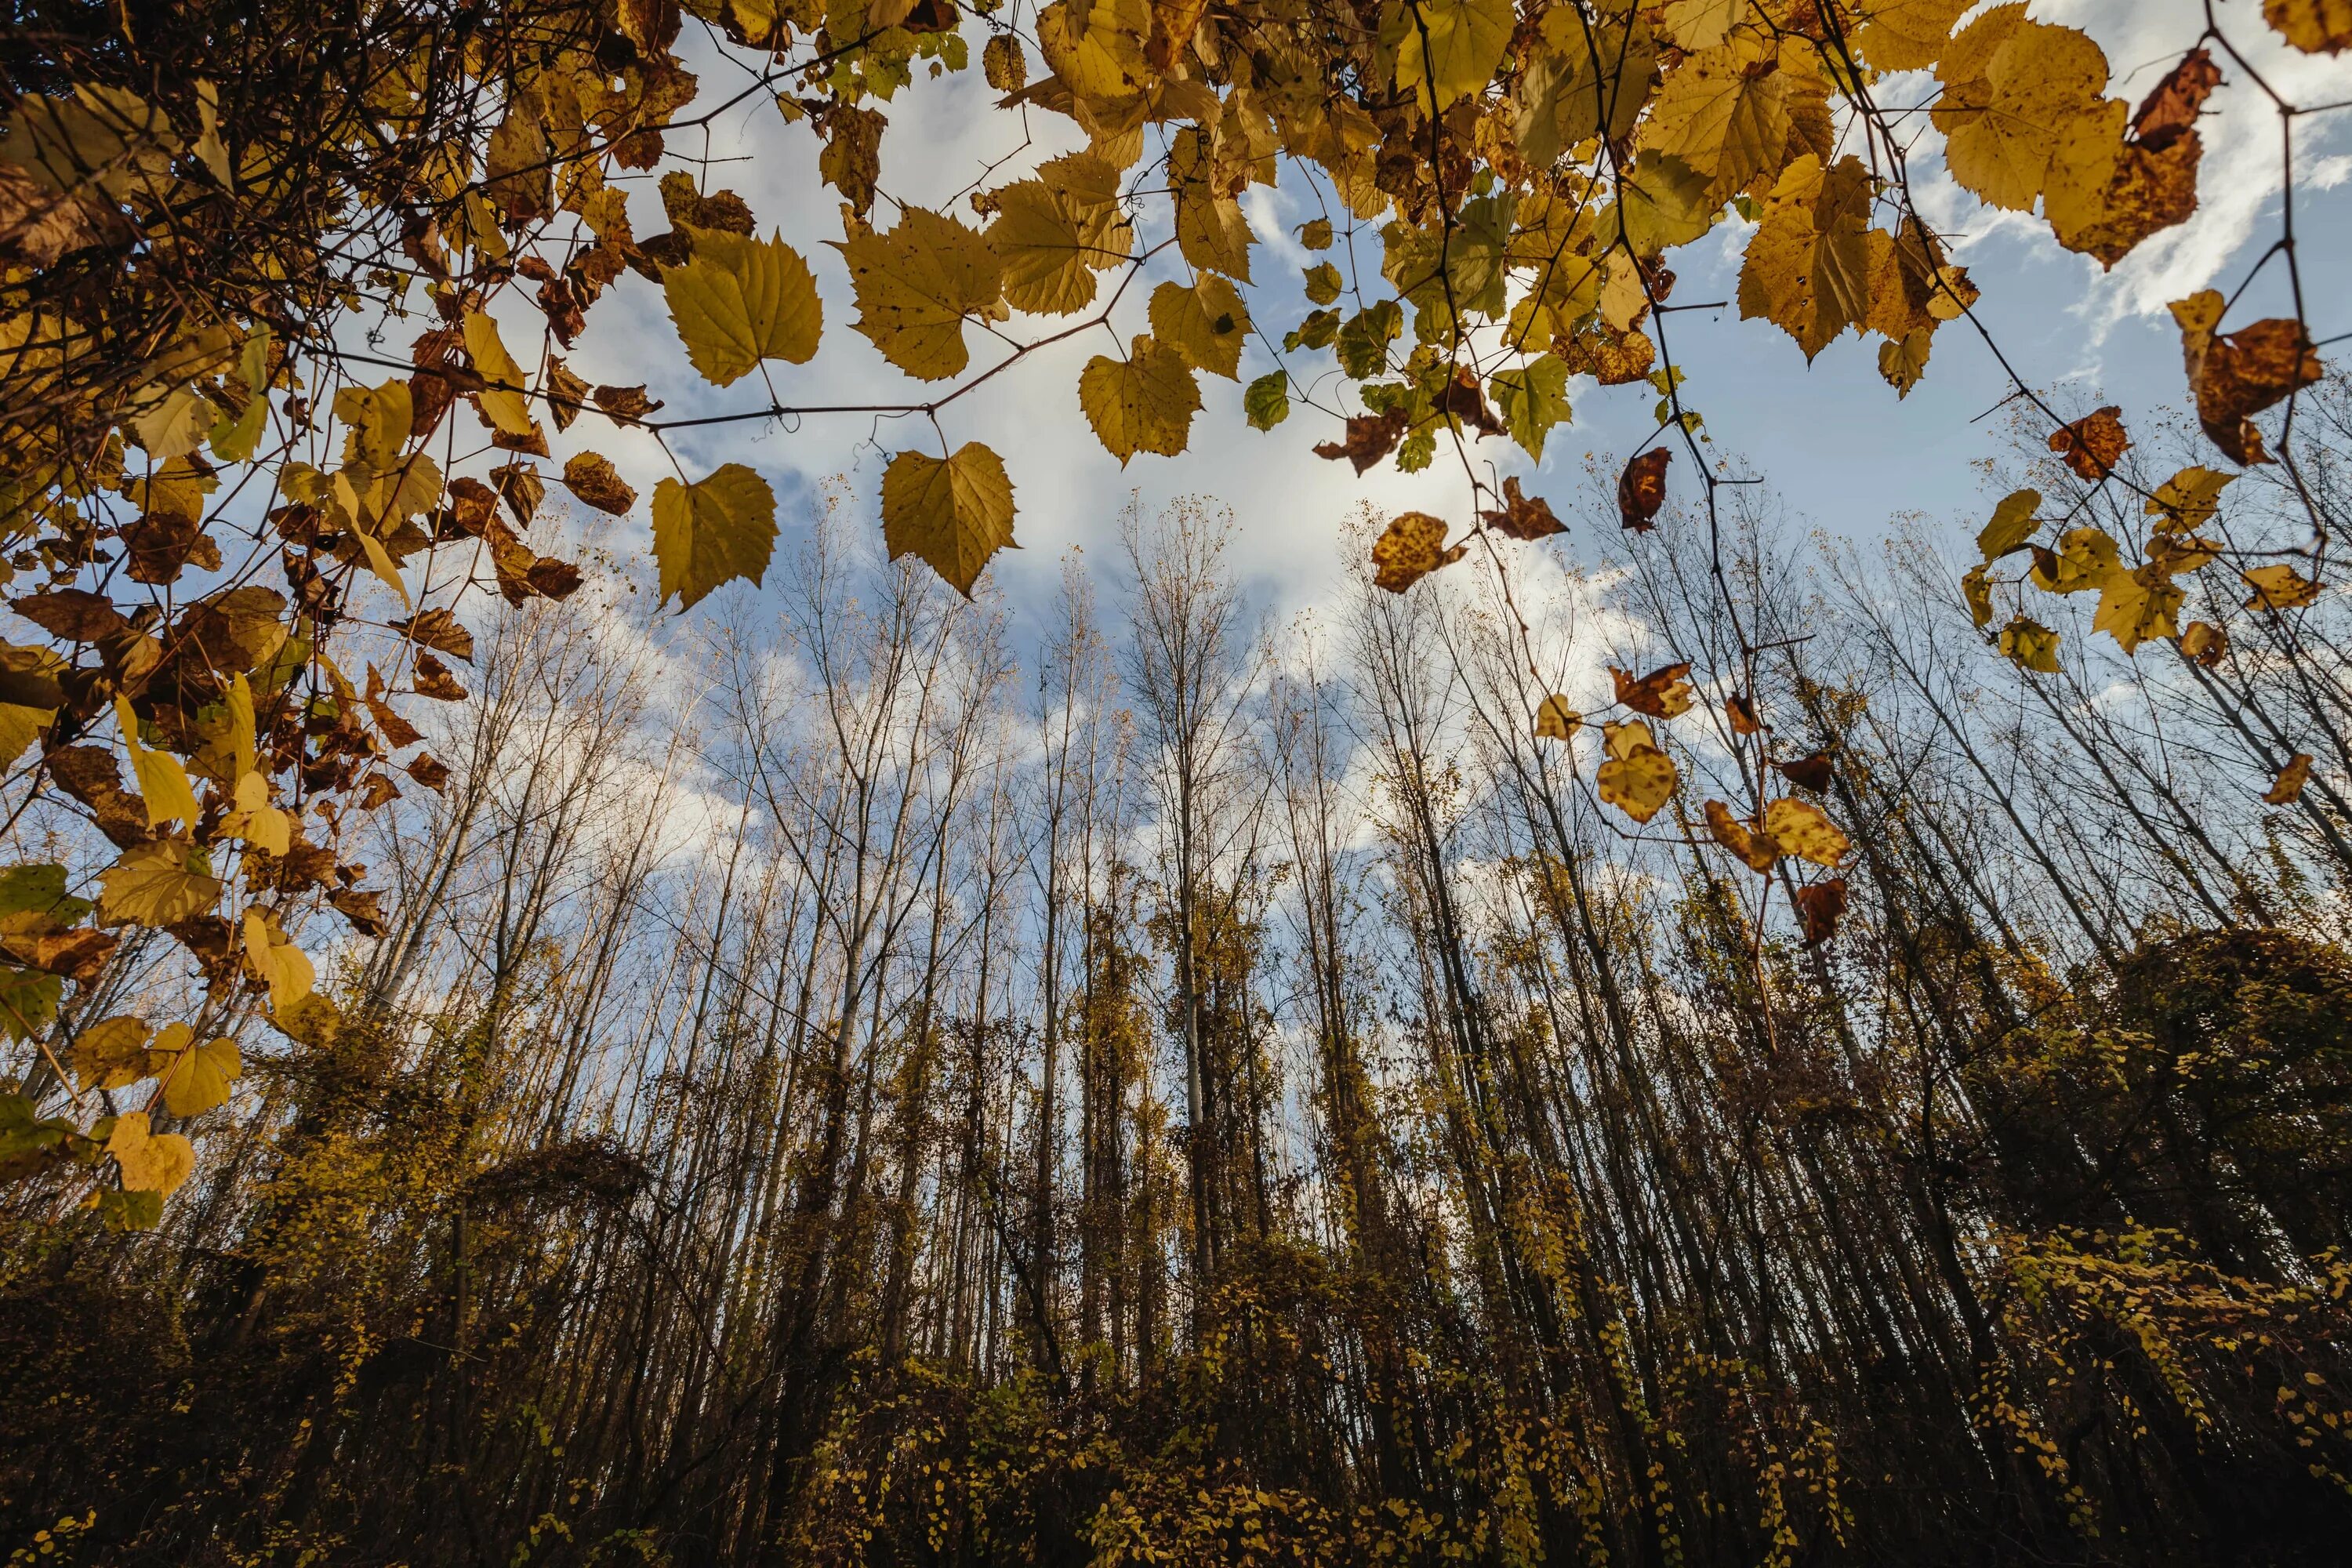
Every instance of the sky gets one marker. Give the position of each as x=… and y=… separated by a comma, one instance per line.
x=1831, y=440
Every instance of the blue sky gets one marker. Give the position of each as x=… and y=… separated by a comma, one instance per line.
x=1831, y=440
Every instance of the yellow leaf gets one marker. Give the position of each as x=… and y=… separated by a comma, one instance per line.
x=150, y=1162
x=1446, y=49
x=503, y=400
x=2315, y=27
x=1805, y=830
x=2030, y=645
x=2137, y=606
x=1977, y=589
x=1637, y=778
x=1142, y=404
x=110, y=1054
x=260, y=824
x=1051, y=243
x=276, y=962
x=916, y=285
x=175, y=424
x=2013, y=524
x=2189, y=499
x=954, y=513
x=196, y=1077
x=1410, y=548
x=2013, y=88
x=1758, y=849
x=2086, y=559
x=1906, y=35
x=163, y=782
x=1701, y=24
x=2279, y=587
x=712, y=532
x=1555, y=719
x=151, y=885
x=741, y=300
x=1205, y=324
x=1724, y=112
x=1807, y=268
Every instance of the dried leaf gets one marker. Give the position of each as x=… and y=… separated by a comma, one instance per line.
x=1410, y=548
x=1642, y=489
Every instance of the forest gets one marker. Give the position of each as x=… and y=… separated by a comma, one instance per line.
x=1639, y=1030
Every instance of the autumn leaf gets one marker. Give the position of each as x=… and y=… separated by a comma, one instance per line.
x=953, y=513
x=110, y=1054
x=916, y=285
x=2206, y=643
x=2030, y=645
x=2315, y=27
x=2189, y=500
x=2013, y=524
x=712, y=532
x=163, y=782
x=2091, y=443
x=1266, y=402
x=1144, y=403
x=2286, y=784
x=194, y=1079
x=1410, y=548
x=276, y=962
x=1370, y=437
x=1906, y=35
x=1052, y=241
x=2279, y=587
x=2014, y=91
x=1742, y=714
x=1805, y=830
x=741, y=300
x=2238, y=374
x=503, y=401
x=1635, y=776
x=1819, y=909
x=1664, y=693
x=1522, y=516
x=1556, y=719
x=1753, y=845
x=592, y=478
x=1642, y=489
x=150, y=1162
x=1445, y=50
x=1206, y=325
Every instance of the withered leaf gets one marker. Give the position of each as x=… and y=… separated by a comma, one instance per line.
x=1819, y=909
x=2286, y=784
x=1812, y=772
x=434, y=681
x=2091, y=443
x=439, y=629
x=1370, y=437
x=1522, y=516
x=1664, y=693
x=1642, y=489
x=625, y=404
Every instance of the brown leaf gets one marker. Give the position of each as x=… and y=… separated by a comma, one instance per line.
x=91, y=776
x=592, y=476
x=1465, y=402
x=1642, y=489
x=432, y=774
x=439, y=629
x=1812, y=772
x=566, y=394
x=1664, y=693
x=2286, y=786
x=79, y=954
x=162, y=544
x=624, y=404
x=2170, y=110
x=1819, y=910
x=2091, y=443
x=1412, y=547
x=2241, y=374
x=398, y=733
x=433, y=680
x=553, y=579
x=519, y=485
x=361, y=909
x=375, y=790
x=2206, y=643
x=1370, y=437
x=73, y=614
x=1742, y=714
x=1522, y=516
x=472, y=506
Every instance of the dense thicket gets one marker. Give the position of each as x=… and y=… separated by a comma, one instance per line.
x=1216, y=1092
